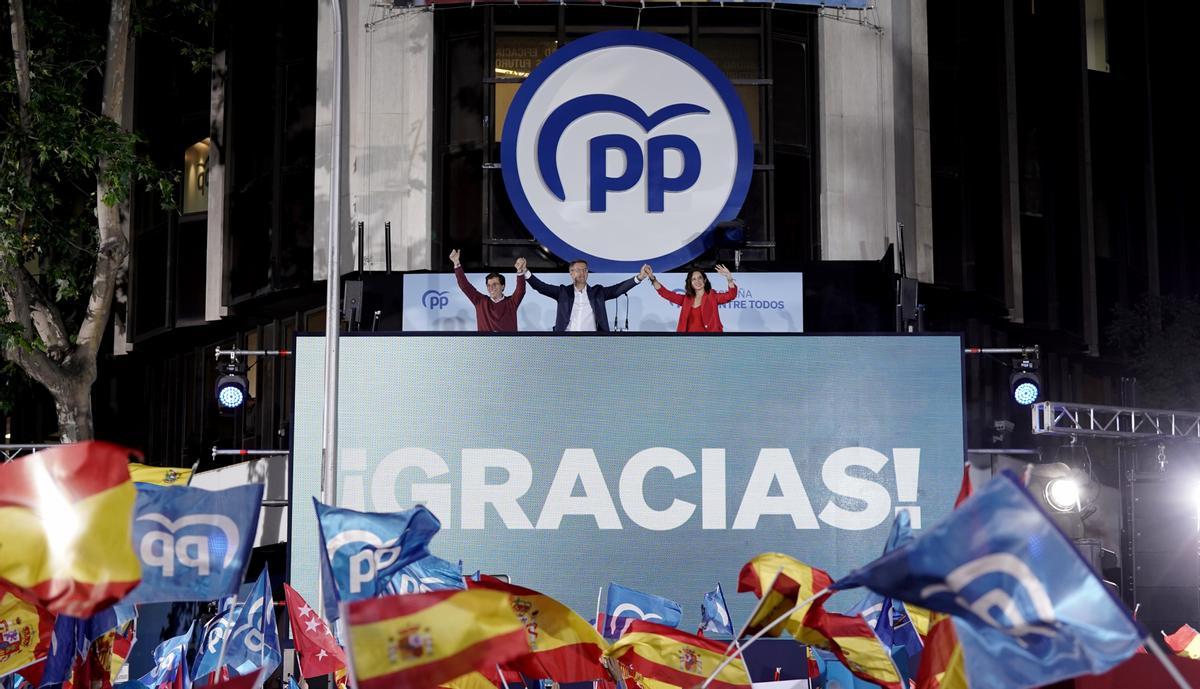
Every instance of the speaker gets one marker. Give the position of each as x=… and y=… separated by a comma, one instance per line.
x=382, y=292
x=1164, y=543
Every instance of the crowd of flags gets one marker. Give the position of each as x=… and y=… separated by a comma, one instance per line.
x=994, y=595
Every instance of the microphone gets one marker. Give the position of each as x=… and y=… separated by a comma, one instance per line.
x=616, y=314
x=627, y=311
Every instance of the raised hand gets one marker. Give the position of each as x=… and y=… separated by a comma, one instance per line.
x=520, y=266
x=646, y=272
x=724, y=271
x=454, y=257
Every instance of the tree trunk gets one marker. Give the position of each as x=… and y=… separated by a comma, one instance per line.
x=73, y=406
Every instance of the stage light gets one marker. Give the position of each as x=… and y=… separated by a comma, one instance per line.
x=1062, y=494
x=231, y=386
x=1024, y=383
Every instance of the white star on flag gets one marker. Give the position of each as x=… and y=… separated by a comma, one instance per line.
x=311, y=625
x=321, y=654
x=304, y=611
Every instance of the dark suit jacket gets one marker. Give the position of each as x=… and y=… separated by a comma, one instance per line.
x=565, y=296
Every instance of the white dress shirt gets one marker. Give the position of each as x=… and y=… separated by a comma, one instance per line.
x=583, y=319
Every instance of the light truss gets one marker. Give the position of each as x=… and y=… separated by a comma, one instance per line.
x=1126, y=423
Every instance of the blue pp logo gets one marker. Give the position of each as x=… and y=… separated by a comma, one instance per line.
x=433, y=299
x=624, y=148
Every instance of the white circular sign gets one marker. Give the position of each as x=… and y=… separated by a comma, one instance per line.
x=624, y=148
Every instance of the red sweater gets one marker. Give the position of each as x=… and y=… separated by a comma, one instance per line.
x=493, y=316
x=710, y=319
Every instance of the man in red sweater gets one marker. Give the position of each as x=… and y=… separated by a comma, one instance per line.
x=494, y=312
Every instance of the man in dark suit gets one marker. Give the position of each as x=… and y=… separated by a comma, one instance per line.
x=581, y=307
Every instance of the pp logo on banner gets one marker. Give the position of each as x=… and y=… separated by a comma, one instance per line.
x=624, y=148
x=435, y=299
x=220, y=541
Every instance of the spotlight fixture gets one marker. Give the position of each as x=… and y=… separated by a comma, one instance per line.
x=1024, y=383
x=231, y=385
x=1063, y=494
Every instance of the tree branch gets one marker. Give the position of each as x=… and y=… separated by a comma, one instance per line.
x=113, y=248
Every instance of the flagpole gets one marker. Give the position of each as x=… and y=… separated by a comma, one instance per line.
x=501, y=673
x=736, y=644
x=225, y=640
x=1149, y=644
x=599, y=592
x=733, y=644
x=729, y=659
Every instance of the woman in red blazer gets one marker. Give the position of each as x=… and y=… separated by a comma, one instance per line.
x=699, y=302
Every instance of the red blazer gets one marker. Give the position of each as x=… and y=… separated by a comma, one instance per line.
x=708, y=307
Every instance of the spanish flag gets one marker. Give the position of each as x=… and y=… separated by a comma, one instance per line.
x=1184, y=642
x=662, y=657
x=851, y=639
x=786, y=581
x=426, y=639
x=25, y=630
x=68, y=526
x=565, y=647
x=160, y=476
x=942, y=660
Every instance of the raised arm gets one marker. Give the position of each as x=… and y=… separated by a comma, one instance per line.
x=463, y=284
x=541, y=287
x=519, y=293
x=663, y=291
x=731, y=294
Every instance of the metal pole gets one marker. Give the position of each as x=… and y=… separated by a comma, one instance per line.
x=251, y=352
x=333, y=288
x=1023, y=351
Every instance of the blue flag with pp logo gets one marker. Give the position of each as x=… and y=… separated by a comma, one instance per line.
x=430, y=573
x=363, y=550
x=208, y=657
x=1030, y=610
x=170, y=658
x=624, y=605
x=194, y=544
x=888, y=617
x=253, y=640
x=714, y=614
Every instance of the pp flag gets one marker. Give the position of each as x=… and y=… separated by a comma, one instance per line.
x=624, y=605
x=658, y=657
x=780, y=582
x=425, y=639
x=26, y=629
x=317, y=650
x=1030, y=610
x=253, y=641
x=430, y=573
x=563, y=646
x=209, y=654
x=170, y=659
x=194, y=544
x=364, y=549
x=66, y=513
x=714, y=614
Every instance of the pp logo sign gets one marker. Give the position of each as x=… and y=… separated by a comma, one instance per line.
x=195, y=548
x=435, y=299
x=624, y=148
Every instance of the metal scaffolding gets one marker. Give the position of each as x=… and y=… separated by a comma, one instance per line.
x=1125, y=423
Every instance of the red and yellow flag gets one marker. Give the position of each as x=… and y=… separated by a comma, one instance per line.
x=426, y=639
x=25, y=630
x=565, y=647
x=664, y=657
x=68, y=526
x=795, y=582
x=1184, y=642
x=942, y=660
x=851, y=639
